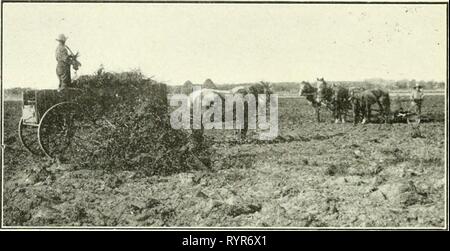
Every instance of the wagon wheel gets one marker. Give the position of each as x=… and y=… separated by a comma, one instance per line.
x=65, y=131
x=28, y=136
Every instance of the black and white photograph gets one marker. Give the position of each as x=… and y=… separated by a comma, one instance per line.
x=213, y=115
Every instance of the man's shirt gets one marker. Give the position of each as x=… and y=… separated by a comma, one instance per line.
x=416, y=94
x=62, y=55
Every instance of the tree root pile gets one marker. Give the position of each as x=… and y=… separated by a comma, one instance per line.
x=134, y=131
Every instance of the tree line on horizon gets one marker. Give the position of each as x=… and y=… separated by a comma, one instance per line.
x=292, y=87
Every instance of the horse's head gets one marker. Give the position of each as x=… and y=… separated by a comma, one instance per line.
x=306, y=89
x=74, y=61
x=356, y=93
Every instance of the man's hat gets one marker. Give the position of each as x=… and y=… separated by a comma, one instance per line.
x=61, y=38
x=417, y=86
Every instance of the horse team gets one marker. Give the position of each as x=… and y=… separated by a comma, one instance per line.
x=336, y=98
x=339, y=100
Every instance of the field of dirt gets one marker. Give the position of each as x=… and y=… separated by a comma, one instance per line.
x=313, y=175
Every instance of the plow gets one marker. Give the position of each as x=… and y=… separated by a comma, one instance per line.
x=54, y=123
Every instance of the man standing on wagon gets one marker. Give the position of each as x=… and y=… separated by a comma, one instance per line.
x=64, y=61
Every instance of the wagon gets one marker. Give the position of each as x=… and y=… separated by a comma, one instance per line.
x=54, y=123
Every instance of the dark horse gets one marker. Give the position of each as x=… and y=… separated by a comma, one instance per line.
x=335, y=98
x=362, y=101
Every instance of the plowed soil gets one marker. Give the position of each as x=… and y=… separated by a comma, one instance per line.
x=312, y=175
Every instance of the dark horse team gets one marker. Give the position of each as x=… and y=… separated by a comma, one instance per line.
x=339, y=100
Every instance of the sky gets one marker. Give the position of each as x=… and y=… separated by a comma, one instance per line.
x=228, y=43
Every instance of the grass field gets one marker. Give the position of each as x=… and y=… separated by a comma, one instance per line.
x=313, y=175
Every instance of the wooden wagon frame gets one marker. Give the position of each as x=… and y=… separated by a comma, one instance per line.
x=51, y=120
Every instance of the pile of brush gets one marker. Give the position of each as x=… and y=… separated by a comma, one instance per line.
x=138, y=135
